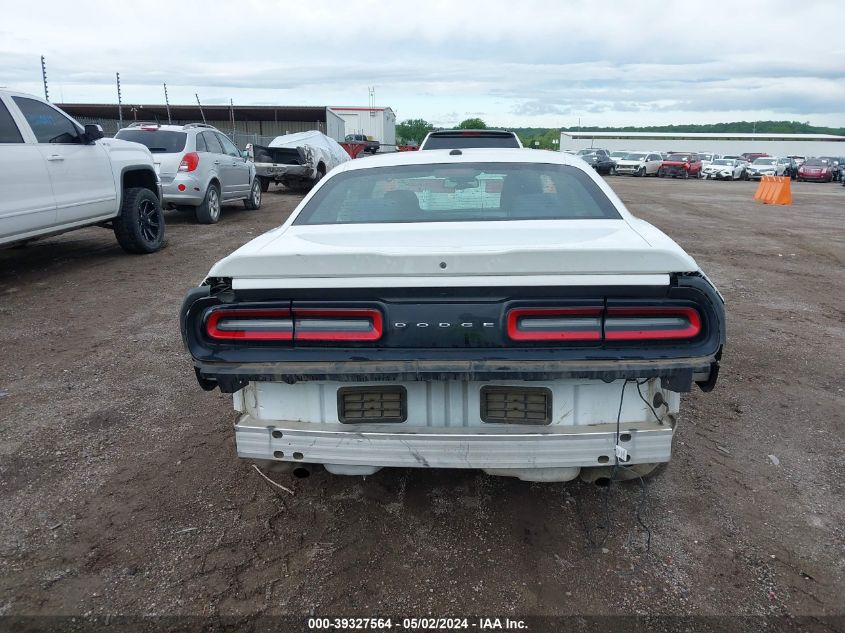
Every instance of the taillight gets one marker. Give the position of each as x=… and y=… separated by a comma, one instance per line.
x=250, y=325
x=637, y=324
x=190, y=162
x=337, y=324
x=555, y=324
x=281, y=324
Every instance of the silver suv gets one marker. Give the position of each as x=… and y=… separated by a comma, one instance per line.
x=199, y=167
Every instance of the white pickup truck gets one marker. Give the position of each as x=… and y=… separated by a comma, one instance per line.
x=488, y=309
x=56, y=176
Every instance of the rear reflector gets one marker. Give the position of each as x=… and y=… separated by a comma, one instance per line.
x=372, y=404
x=637, y=324
x=516, y=405
x=281, y=324
x=555, y=324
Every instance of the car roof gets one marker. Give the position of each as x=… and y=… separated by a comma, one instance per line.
x=471, y=155
x=472, y=132
x=168, y=127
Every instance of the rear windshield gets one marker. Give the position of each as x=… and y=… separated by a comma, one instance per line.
x=466, y=192
x=468, y=141
x=681, y=158
x=158, y=141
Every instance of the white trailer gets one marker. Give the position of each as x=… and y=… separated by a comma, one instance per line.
x=773, y=144
x=377, y=123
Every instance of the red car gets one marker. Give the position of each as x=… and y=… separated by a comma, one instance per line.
x=681, y=165
x=819, y=169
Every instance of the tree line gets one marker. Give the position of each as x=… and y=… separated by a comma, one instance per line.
x=413, y=131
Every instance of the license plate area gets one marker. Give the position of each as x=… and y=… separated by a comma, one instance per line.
x=516, y=405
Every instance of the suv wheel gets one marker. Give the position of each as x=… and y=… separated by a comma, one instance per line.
x=254, y=201
x=140, y=226
x=209, y=211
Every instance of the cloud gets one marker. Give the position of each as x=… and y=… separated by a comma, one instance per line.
x=531, y=63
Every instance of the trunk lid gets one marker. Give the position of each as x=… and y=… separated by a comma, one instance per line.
x=449, y=249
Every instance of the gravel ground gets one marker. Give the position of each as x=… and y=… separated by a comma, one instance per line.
x=121, y=492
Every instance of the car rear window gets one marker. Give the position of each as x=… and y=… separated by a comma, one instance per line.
x=157, y=141
x=465, y=192
x=470, y=140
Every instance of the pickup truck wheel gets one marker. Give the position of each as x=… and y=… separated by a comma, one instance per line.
x=265, y=184
x=140, y=226
x=209, y=211
x=254, y=201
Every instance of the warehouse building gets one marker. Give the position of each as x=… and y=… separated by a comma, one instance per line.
x=244, y=124
x=774, y=144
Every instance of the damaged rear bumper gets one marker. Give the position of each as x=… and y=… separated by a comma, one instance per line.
x=493, y=449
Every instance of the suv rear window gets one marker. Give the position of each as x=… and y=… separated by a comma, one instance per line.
x=9, y=132
x=466, y=192
x=467, y=140
x=157, y=141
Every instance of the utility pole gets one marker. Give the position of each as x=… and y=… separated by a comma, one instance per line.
x=167, y=104
x=232, y=116
x=119, y=103
x=44, y=78
x=202, y=114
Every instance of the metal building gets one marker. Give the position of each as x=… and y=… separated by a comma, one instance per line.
x=774, y=144
x=252, y=124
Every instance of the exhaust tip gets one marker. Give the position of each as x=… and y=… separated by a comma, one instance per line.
x=301, y=472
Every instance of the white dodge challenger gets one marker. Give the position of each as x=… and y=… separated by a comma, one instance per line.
x=494, y=309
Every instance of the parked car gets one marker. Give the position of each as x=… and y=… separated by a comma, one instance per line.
x=56, y=176
x=370, y=145
x=681, y=165
x=374, y=329
x=598, y=159
x=818, y=169
x=707, y=158
x=726, y=169
x=765, y=166
x=297, y=161
x=464, y=139
x=790, y=167
x=799, y=160
x=752, y=156
x=836, y=166
x=639, y=164
x=199, y=167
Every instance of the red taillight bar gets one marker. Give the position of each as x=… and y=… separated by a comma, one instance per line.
x=215, y=331
x=299, y=324
x=621, y=323
x=590, y=331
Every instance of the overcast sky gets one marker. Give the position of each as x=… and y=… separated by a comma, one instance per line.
x=526, y=63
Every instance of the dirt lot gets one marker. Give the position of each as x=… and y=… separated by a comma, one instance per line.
x=121, y=492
